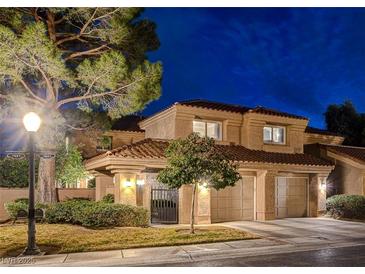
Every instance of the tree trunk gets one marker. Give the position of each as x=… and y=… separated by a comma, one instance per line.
x=192, y=230
x=47, y=180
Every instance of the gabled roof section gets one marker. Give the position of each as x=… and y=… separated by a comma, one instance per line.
x=356, y=154
x=214, y=105
x=268, y=111
x=155, y=149
x=237, y=108
x=128, y=123
x=321, y=131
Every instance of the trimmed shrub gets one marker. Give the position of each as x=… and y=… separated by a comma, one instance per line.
x=109, y=198
x=346, y=206
x=96, y=214
x=12, y=208
x=69, y=211
x=109, y=215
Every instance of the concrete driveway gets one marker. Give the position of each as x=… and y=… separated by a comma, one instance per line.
x=305, y=230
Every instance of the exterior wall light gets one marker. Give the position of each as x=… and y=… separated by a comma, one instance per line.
x=322, y=185
x=140, y=182
x=128, y=183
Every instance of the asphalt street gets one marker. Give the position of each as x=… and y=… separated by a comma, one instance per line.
x=336, y=257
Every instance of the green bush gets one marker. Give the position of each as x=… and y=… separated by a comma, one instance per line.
x=346, y=206
x=69, y=211
x=96, y=214
x=109, y=198
x=13, y=172
x=12, y=208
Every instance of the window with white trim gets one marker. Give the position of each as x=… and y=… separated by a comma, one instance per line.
x=209, y=129
x=274, y=135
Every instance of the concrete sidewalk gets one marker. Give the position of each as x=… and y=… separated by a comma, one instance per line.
x=143, y=256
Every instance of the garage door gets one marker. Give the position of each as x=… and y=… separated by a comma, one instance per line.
x=234, y=203
x=291, y=197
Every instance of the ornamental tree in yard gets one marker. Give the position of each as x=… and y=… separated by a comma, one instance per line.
x=55, y=59
x=196, y=161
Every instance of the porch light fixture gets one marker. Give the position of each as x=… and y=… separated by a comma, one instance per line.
x=128, y=183
x=322, y=185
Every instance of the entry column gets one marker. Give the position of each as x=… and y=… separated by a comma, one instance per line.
x=317, y=194
x=265, y=195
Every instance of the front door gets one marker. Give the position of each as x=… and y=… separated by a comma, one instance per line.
x=164, y=206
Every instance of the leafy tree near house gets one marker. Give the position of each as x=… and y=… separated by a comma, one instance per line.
x=195, y=161
x=69, y=167
x=53, y=59
x=345, y=120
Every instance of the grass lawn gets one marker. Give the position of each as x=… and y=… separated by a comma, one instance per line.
x=64, y=238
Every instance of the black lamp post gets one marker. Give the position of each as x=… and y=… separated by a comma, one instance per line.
x=32, y=123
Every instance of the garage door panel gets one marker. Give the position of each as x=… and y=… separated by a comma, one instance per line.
x=291, y=197
x=234, y=203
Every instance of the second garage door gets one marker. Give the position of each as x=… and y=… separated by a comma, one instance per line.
x=234, y=203
x=291, y=197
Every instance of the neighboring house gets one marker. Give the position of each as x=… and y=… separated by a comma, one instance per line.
x=278, y=179
x=348, y=177
x=124, y=131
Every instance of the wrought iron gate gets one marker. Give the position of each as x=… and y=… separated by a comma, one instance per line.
x=164, y=206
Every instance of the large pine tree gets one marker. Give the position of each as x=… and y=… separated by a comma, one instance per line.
x=54, y=59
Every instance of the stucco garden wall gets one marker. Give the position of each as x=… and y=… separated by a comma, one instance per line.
x=11, y=194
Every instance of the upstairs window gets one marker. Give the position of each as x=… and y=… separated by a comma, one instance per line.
x=104, y=143
x=274, y=135
x=208, y=129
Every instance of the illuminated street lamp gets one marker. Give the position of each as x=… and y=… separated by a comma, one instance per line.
x=31, y=123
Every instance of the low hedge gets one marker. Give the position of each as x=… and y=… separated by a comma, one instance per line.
x=96, y=214
x=12, y=208
x=346, y=206
x=109, y=198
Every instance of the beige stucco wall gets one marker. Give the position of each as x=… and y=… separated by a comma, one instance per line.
x=247, y=129
x=161, y=126
x=348, y=179
x=69, y=193
x=103, y=186
x=252, y=133
x=8, y=195
x=88, y=141
x=312, y=138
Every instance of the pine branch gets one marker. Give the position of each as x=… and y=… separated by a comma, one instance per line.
x=75, y=37
x=96, y=95
x=94, y=51
x=36, y=97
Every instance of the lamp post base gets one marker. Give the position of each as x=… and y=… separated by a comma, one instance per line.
x=31, y=251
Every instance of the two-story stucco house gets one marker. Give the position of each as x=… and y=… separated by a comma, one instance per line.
x=278, y=179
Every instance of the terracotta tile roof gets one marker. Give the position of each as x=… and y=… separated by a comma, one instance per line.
x=321, y=131
x=237, y=108
x=214, y=105
x=355, y=153
x=154, y=149
x=274, y=112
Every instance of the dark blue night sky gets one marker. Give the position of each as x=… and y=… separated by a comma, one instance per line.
x=294, y=60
